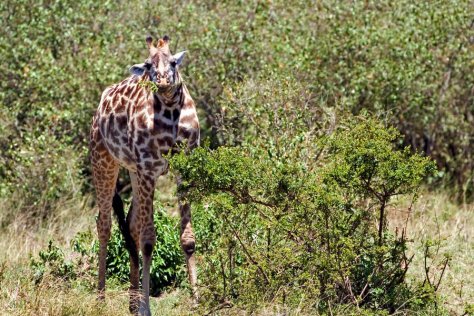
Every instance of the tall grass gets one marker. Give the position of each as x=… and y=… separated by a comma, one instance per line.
x=449, y=228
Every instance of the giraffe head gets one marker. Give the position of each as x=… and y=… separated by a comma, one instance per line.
x=161, y=66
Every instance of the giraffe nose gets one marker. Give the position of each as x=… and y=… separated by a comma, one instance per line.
x=163, y=81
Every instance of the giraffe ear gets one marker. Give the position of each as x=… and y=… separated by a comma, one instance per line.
x=179, y=57
x=149, y=41
x=138, y=69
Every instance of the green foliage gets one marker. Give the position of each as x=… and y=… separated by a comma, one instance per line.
x=365, y=158
x=52, y=260
x=469, y=309
x=39, y=178
x=364, y=162
x=276, y=111
x=167, y=266
x=409, y=63
x=54, y=62
x=273, y=232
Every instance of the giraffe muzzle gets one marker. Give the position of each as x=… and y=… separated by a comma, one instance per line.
x=162, y=82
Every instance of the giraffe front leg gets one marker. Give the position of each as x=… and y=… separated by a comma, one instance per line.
x=188, y=244
x=134, y=290
x=147, y=251
x=104, y=174
x=146, y=186
x=134, y=228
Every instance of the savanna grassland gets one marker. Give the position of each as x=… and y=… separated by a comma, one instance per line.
x=335, y=175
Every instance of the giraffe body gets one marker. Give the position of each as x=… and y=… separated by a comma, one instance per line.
x=138, y=126
x=134, y=127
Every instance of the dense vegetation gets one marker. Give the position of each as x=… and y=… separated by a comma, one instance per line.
x=315, y=117
x=279, y=228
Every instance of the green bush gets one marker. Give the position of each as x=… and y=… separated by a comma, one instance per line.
x=52, y=260
x=167, y=266
x=406, y=62
x=274, y=232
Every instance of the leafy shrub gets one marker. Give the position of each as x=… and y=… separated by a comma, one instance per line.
x=167, y=266
x=276, y=232
x=39, y=178
x=52, y=260
x=405, y=62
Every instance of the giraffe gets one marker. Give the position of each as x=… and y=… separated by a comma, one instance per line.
x=134, y=126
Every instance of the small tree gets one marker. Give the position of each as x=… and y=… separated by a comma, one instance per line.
x=272, y=231
x=366, y=163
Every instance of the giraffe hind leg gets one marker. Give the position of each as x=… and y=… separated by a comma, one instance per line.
x=188, y=244
x=105, y=172
x=124, y=225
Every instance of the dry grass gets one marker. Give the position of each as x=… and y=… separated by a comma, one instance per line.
x=24, y=237
x=21, y=297
x=435, y=218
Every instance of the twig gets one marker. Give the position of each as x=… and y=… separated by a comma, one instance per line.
x=223, y=274
x=349, y=286
x=330, y=309
x=365, y=287
x=225, y=304
x=381, y=219
x=247, y=253
x=248, y=198
x=427, y=269
x=442, y=273
x=410, y=208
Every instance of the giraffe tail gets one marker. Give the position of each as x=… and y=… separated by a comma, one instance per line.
x=117, y=205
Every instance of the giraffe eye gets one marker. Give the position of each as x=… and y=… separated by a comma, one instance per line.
x=173, y=63
x=147, y=65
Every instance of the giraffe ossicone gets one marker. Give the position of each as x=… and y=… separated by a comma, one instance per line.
x=135, y=127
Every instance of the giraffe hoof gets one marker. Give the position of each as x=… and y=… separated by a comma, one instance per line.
x=101, y=296
x=134, y=301
x=133, y=308
x=195, y=302
x=144, y=310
